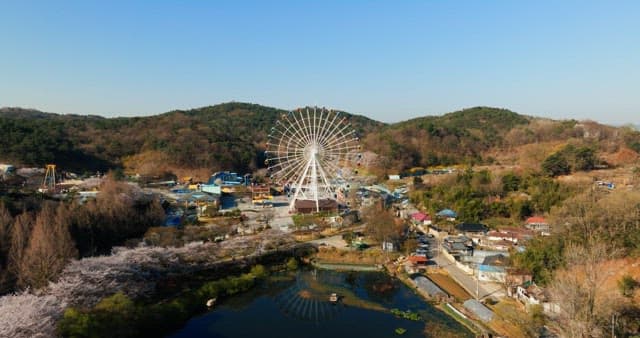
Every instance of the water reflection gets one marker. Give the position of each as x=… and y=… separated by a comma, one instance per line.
x=297, y=305
x=305, y=299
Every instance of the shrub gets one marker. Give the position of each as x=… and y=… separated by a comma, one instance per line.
x=627, y=285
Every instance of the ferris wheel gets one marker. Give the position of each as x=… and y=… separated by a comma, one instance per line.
x=309, y=152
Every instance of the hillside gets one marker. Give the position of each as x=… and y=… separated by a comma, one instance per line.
x=485, y=135
x=231, y=136
x=227, y=136
x=453, y=138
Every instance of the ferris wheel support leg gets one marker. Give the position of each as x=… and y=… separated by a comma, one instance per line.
x=299, y=185
x=314, y=180
x=325, y=180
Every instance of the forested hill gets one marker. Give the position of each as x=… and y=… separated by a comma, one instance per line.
x=231, y=136
x=226, y=136
x=484, y=135
x=452, y=138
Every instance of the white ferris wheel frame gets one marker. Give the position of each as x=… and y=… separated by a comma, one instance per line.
x=306, y=149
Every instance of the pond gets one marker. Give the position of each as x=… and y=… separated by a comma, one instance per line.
x=297, y=305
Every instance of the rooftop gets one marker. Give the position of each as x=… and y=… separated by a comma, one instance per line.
x=496, y=260
x=472, y=227
x=536, y=220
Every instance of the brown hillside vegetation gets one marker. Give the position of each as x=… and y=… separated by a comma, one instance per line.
x=228, y=136
x=589, y=295
x=232, y=136
x=624, y=156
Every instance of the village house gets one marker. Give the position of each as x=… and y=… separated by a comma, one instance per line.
x=420, y=218
x=458, y=246
x=447, y=214
x=499, y=245
x=516, y=277
x=506, y=237
x=493, y=268
x=530, y=294
x=538, y=224
x=475, y=231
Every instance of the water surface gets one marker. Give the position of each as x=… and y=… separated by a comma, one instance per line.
x=298, y=305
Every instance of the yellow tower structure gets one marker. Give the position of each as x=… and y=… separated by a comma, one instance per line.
x=49, y=182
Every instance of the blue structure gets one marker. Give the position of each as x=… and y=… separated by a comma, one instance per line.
x=447, y=213
x=173, y=220
x=226, y=178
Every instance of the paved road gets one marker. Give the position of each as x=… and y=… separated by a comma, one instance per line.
x=468, y=282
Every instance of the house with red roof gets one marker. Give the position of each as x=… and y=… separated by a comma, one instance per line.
x=421, y=218
x=512, y=234
x=538, y=224
x=418, y=260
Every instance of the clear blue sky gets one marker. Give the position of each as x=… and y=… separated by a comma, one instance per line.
x=389, y=60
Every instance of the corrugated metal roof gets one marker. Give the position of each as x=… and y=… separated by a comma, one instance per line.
x=428, y=286
x=478, y=309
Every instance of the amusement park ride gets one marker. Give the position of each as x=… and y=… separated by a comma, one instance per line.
x=307, y=152
x=49, y=182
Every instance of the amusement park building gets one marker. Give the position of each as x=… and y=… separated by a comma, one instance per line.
x=309, y=206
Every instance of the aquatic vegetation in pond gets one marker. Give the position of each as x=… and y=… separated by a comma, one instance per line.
x=406, y=314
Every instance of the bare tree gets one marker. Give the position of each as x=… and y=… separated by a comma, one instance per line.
x=19, y=240
x=50, y=247
x=5, y=233
x=584, y=301
x=599, y=216
x=5, y=239
x=380, y=224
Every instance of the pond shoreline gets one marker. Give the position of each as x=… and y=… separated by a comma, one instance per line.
x=369, y=300
x=340, y=266
x=467, y=322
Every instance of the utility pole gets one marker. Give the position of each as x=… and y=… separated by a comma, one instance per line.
x=478, y=285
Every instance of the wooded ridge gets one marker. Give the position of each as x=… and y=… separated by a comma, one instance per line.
x=232, y=136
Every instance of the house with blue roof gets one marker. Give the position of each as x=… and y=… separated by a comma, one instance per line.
x=448, y=214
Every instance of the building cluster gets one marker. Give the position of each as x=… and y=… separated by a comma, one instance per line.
x=484, y=253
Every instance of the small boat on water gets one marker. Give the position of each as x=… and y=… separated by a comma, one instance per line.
x=211, y=302
x=333, y=298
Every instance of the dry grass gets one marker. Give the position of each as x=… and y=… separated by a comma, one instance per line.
x=620, y=176
x=450, y=286
x=510, y=318
x=369, y=256
x=624, y=156
x=620, y=268
x=529, y=156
